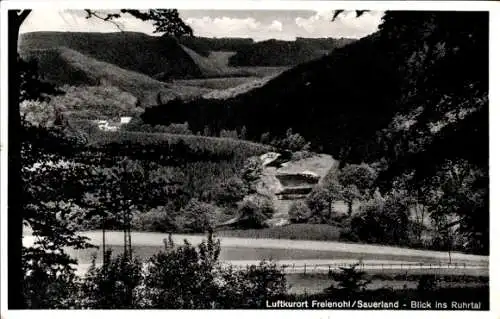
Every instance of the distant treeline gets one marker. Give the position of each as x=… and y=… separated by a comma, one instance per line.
x=281, y=53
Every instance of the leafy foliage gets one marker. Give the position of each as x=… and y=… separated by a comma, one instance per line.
x=166, y=21
x=159, y=219
x=229, y=134
x=112, y=285
x=382, y=220
x=51, y=190
x=136, y=125
x=291, y=141
x=254, y=212
x=32, y=88
x=319, y=203
x=230, y=191
x=278, y=53
x=349, y=279
x=183, y=277
x=185, y=146
x=352, y=182
x=251, y=287
x=427, y=283
x=252, y=169
x=196, y=217
x=299, y=212
x=96, y=102
x=398, y=103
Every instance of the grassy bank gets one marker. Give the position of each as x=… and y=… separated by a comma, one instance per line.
x=293, y=231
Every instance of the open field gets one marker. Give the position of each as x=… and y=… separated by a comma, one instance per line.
x=217, y=83
x=213, y=66
x=244, y=87
x=287, y=249
x=156, y=239
x=263, y=71
x=221, y=57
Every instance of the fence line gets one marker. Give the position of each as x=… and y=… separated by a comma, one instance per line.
x=326, y=268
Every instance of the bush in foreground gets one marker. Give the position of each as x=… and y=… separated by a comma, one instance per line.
x=179, y=277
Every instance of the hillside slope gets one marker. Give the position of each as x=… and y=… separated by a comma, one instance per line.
x=159, y=57
x=204, y=46
x=282, y=53
x=64, y=66
x=211, y=66
x=129, y=50
x=320, y=99
x=164, y=57
x=386, y=98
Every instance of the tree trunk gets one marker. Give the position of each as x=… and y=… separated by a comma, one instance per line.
x=15, y=297
x=15, y=206
x=103, y=243
x=349, y=211
x=330, y=203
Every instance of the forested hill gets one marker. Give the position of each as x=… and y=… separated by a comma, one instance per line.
x=412, y=99
x=319, y=99
x=277, y=52
x=375, y=89
x=164, y=57
x=128, y=50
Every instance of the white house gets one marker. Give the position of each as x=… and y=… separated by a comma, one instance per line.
x=125, y=119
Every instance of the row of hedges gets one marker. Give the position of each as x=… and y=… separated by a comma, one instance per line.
x=203, y=147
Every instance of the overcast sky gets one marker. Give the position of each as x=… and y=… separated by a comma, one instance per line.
x=256, y=24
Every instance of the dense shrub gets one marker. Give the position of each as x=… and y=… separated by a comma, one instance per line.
x=319, y=203
x=382, y=221
x=254, y=212
x=160, y=219
x=137, y=125
x=191, y=147
x=230, y=191
x=47, y=283
x=252, y=170
x=265, y=138
x=251, y=287
x=427, y=283
x=299, y=212
x=95, y=102
x=243, y=133
x=349, y=279
x=183, y=277
x=176, y=128
x=229, y=134
x=191, y=277
x=292, y=141
x=111, y=285
x=320, y=232
x=196, y=217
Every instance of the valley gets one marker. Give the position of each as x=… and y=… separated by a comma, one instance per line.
x=173, y=170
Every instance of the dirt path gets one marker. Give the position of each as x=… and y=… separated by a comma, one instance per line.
x=156, y=240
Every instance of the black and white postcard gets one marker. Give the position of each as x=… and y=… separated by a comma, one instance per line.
x=290, y=155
